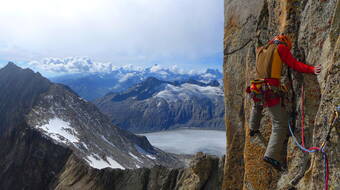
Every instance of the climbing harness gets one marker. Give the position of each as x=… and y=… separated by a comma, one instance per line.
x=315, y=149
x=264, y=90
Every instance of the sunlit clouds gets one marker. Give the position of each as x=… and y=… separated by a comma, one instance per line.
x=119, y=32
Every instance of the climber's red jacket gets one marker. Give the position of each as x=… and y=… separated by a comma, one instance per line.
x=289, y=60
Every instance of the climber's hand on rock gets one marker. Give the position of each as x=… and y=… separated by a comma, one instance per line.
x=317, y=69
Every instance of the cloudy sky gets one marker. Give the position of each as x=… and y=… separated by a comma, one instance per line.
x=186, y=33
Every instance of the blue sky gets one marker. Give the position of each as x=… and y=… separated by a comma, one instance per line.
x=186, y=33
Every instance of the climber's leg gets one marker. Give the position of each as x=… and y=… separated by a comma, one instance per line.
x=255, y=117
x=279, y=132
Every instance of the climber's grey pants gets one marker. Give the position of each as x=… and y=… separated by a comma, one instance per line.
x=278, y=136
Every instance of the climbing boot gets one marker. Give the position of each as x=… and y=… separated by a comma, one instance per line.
x=276, y=164
x=253, y=132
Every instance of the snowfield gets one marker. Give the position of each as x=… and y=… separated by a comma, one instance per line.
x=60, y=130
x=96, y=162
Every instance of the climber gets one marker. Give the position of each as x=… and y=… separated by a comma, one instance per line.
x=267, y=91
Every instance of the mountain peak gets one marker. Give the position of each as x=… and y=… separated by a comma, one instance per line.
x=152, y=80
x=20, y=89
x=11, y=65
x=13, y=71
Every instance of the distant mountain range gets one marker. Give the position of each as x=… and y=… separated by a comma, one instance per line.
x=155, y=105
x=95, y=85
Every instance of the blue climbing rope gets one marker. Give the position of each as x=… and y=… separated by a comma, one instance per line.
x=297, y=143
x=312, y=150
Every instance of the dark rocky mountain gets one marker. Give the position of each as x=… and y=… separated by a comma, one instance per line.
x=19, y=90
x=91, y=86
x=155, y=105
x=44, y=126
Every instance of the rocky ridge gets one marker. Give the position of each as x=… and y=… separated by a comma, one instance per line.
x=314, y=27
x=204, y=173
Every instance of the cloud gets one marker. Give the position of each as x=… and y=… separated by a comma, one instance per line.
x=155, y=68
x=126, y=77
x=71, y=65
x=119, y=31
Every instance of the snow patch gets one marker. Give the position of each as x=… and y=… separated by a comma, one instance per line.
x=135, y=157
x=105, y=139
x=96, y=162
x=60, y=131
x=82, y=99
x=151, y=156
x=87, y=148
x=144, y=152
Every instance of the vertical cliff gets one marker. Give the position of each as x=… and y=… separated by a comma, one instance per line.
x=314, y=26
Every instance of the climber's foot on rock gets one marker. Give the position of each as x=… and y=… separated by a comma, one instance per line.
x=276, y=164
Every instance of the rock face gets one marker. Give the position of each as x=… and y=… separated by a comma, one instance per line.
x=156, y=105
x=314, y=27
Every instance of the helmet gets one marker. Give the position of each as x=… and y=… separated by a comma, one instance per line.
x=285, y=39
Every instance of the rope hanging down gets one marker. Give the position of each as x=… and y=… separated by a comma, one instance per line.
x=312, y=150
x=302, y=117
x=315, y=149
x=238, y=49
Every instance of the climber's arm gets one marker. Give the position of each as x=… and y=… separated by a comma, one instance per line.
x=289, y=59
